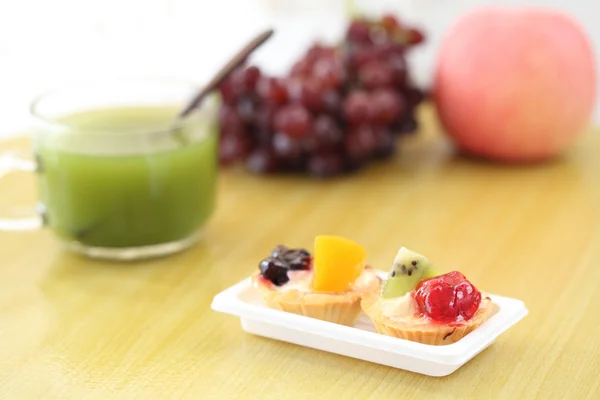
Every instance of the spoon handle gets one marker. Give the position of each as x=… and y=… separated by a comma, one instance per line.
x=224, y=72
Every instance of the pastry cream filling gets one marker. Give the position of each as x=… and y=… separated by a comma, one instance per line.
x=405, y=309
x=301, y=280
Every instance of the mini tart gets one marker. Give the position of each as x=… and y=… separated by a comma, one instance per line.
x=416, y=328
x=340, y=308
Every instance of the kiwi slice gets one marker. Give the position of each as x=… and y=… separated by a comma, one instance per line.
x=408, y=270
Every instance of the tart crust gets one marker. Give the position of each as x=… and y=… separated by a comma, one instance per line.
x=436, y=334
x=340, y=308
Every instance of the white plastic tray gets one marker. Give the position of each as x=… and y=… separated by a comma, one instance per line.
x=361, y=341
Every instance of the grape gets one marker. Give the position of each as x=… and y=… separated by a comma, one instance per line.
x=390, y=48
x=330, y=72
x=414, y=37
x=385, y=142
x=359, y=55
x=357, y=107
x=294, y=120
x=376, y=74
x=240, y=82
x=360, y=142
x=246, y=108
x=327, y=131
x=229, y=92
x=301, y=69
x=406, y=125
x=407, y=122
x=413, y=96
x=245, y=79
x=314, y=53
x=326, y=134
x=229, y=120
x=286, y=147
x=358, y=32
x=273, y=90
x=261, y=161
x=332, y=102
x=250, y=77
x=397, y=65
x=386, y=106
x=233, y=147
x=264, y=116
x=292, y=164
x=262, y=137
x=319, y=52
x=325, y=165
x=352, y=165
x=307, y=91
x=390, y=23
x=263, y=124
x=379, y=36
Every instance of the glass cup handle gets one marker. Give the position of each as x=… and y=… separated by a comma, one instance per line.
x=10, y=162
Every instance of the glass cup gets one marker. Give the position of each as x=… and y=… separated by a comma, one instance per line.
x=119, y=176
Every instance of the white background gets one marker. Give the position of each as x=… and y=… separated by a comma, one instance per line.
x=46, y=42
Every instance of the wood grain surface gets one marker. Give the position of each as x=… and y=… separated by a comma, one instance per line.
x=73, y=328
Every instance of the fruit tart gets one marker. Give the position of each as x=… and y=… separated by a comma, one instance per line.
x=419, y=304
x=328, y=285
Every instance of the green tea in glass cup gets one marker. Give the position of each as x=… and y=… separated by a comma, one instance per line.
x=120, y=177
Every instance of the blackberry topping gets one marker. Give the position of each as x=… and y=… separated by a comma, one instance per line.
x=297, y=259
x=281, y=260
x=279, y=251
x=274, y=270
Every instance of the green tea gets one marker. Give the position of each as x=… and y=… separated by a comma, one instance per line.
x=120, y=178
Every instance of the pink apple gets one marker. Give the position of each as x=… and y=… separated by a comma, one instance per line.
x=515, y=84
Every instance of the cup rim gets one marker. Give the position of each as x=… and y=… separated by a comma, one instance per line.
x=89, y=82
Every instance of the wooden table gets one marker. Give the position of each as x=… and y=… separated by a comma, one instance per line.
x=72, y=328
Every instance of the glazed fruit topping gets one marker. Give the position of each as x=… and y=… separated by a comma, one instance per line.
x=448, y=298
x=338, y=262
x=281, y=260
x=408, y=270
x=275, y=270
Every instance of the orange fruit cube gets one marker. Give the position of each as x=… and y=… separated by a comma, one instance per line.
x=337, y=262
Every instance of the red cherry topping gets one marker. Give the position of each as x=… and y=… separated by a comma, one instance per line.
x=436, y=299
x=447, y=298
x=453, y=278
x=467, y=299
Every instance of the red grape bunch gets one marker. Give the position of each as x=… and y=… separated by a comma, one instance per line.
x=338, y=108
